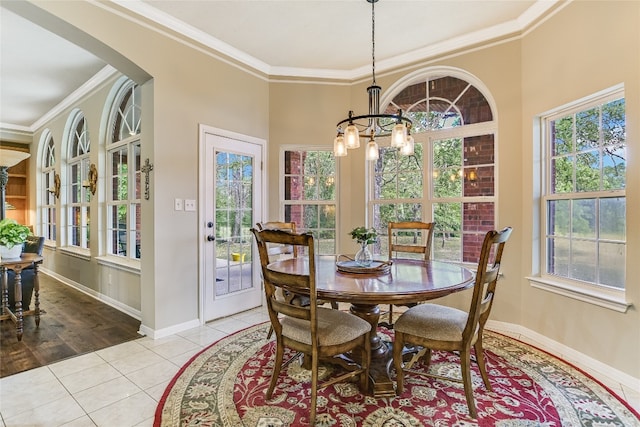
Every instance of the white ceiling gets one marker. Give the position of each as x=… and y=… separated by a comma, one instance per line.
x=327, y=38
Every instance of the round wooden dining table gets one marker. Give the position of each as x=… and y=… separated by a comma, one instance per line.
x=404, y=281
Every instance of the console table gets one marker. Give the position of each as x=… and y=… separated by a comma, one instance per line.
x=17, y=265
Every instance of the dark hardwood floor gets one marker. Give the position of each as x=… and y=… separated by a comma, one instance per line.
x=73, y=324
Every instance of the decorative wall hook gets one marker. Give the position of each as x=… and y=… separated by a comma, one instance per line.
x=92, y=182
x=146, y=169
x=55, y=190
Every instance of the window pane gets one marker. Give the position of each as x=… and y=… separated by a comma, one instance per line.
x=613, y=123
x=611, y=264
x=558, y=255
x=562, y=175
x=562, y=136
x=583, y=260
x=328, y=216
x=614, y=168
x=448, y=233
x=583, y=218
x=558, y=217
x=588, y=171
x=613, y=218
x=587, y=130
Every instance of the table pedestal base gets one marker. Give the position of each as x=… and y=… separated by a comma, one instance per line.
x=381, y=384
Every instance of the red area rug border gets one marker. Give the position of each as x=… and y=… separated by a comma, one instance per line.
x=158, y=414
x=582, y=371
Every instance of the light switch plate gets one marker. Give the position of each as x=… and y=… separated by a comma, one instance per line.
x=178, y=204
x=189, y=205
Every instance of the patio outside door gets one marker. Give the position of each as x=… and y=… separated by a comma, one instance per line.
x=233, y=196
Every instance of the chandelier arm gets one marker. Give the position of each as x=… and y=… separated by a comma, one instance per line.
x=398, y=119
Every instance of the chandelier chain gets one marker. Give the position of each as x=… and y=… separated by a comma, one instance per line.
x=373, y=41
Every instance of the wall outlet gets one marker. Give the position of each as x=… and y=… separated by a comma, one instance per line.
x=178, y=204
x=189, y=205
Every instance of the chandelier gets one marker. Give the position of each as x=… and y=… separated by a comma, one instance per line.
x=373, y=125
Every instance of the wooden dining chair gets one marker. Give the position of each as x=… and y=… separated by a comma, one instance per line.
x=412, y=239
x=437, y=327
x=318, y=332
x=277, y=252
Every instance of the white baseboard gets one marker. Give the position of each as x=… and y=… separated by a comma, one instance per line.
x=161, y=333
x=136, y=314
x=582, y=361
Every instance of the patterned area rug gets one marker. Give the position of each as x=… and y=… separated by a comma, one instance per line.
x=225, y=385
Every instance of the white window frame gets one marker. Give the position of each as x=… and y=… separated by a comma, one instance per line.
x=330, y=204
x=48, y=225
x=600, y=295
x=81, y=160
x=131, y=146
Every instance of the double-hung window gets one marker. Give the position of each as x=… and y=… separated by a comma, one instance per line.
x=584, y=201
x=310, y=195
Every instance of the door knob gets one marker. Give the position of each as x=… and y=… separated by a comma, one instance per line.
x=211, y=238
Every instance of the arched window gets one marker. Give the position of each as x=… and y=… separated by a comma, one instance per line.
x=123, y=174
x=450, y=178
x=77, y=189
x=50, y=188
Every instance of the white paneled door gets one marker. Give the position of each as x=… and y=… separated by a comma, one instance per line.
x=233, y=199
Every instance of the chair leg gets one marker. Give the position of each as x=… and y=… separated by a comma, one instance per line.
x=398, y=345
x=426, y=356
x=334, y=305
x=391, y=315
x=276, y=368
x=314, y=390
x=465, y=362
x=481, y=362
x=270, y=333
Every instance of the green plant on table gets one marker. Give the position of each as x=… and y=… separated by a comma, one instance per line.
x=364, y=235
x=12, y=233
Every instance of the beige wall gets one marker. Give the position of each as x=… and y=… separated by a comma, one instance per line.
x=586, y=47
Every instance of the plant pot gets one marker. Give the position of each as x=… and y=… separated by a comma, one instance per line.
x=12, y=253
x=237, y=257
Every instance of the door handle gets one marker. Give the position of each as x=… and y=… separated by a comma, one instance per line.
x=211, y=238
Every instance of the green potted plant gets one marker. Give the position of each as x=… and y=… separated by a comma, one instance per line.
x=364, y=236
x=12, y=237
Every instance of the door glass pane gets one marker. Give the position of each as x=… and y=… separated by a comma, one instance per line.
x=234, y=219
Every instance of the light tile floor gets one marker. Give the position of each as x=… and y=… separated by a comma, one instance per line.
x=121, y=385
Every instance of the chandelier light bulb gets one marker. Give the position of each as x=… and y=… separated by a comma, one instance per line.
x=372, y=150
x=339, y=149
x=399, y=135
x=408, y=148
x=352, y=137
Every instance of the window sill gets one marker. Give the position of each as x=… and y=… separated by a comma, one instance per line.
x=121, y=263
x=81, y=253
x=608, y=298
